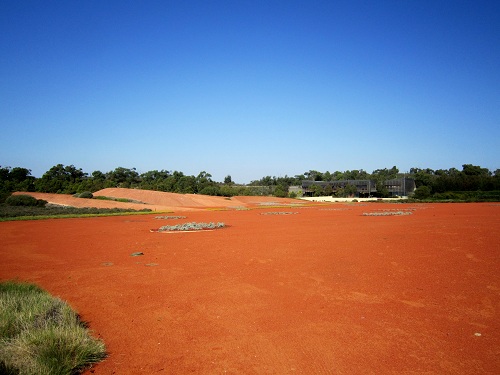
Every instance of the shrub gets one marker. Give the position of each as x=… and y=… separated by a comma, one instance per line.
x=4, y=194
x=25, y=200
x=191, y=226
x=279, y=213
x=422, y=192
x=170, y=217
x=388, y=213
x=210, y=190
x=86, y=194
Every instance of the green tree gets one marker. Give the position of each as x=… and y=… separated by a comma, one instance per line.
x=229, y=191
x=328, y=190
x=327, y=176
x=211, y=190
x=152, y=180
x=317, y=190
x=60, y=179
x=314, y=175
x=385, y=174
x=123, y=177
x=186, y=185
x=475, y=170
x=356, y=175
x=350, y=190
x=203, y=180
x=423, y=177
x=281, y=191
x=346, y=191
x=15, y=179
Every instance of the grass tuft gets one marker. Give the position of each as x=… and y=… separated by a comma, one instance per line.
x=41, y=334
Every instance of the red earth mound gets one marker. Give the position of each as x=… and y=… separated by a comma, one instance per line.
x=323, y=291
x=160, y=201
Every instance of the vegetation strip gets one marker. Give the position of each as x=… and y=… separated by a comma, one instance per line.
x=41, y=334
x=472, y=184
x=170, y=217
x=26, y=207
x=71, y=216
x=388, y=213
x=102, y=197
x=188, y=227
x=279, y=213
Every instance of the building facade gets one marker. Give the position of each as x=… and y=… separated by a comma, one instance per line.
x=400, y=187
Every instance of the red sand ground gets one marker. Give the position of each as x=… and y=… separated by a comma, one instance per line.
x=323, y=291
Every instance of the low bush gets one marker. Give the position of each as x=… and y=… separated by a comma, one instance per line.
x=279, y=213
x=86, y=195
x=422, y=192
x=191, y=227
x=4, y=194
x=388, y=213
x=210, y=190
x=170, y=217
x=24, y=212
x=25, y=200
x=468, y=196
x=40, y=334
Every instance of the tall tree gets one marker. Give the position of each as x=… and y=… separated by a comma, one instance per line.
x=61, y=179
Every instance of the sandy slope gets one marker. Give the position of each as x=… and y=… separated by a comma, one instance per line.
x=160, y=201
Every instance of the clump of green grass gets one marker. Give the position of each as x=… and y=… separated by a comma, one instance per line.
x=41, y=334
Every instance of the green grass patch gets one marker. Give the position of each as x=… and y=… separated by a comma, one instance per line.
x=123, y=200
x=8, y=213
x=41, y=334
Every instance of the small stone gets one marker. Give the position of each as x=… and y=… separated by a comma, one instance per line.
x=136, y=254
x=477, y=334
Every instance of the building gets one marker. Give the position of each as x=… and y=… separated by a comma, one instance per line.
x=364, y=188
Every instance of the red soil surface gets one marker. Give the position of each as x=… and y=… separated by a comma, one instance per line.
x=323, y=291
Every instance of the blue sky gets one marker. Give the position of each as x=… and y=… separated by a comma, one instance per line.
x=249, y=88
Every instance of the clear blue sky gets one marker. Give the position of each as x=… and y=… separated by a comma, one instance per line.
x=249, y=88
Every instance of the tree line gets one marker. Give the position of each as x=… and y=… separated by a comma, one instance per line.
x=71, y=180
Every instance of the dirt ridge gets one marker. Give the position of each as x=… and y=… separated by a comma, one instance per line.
x=160, y=201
